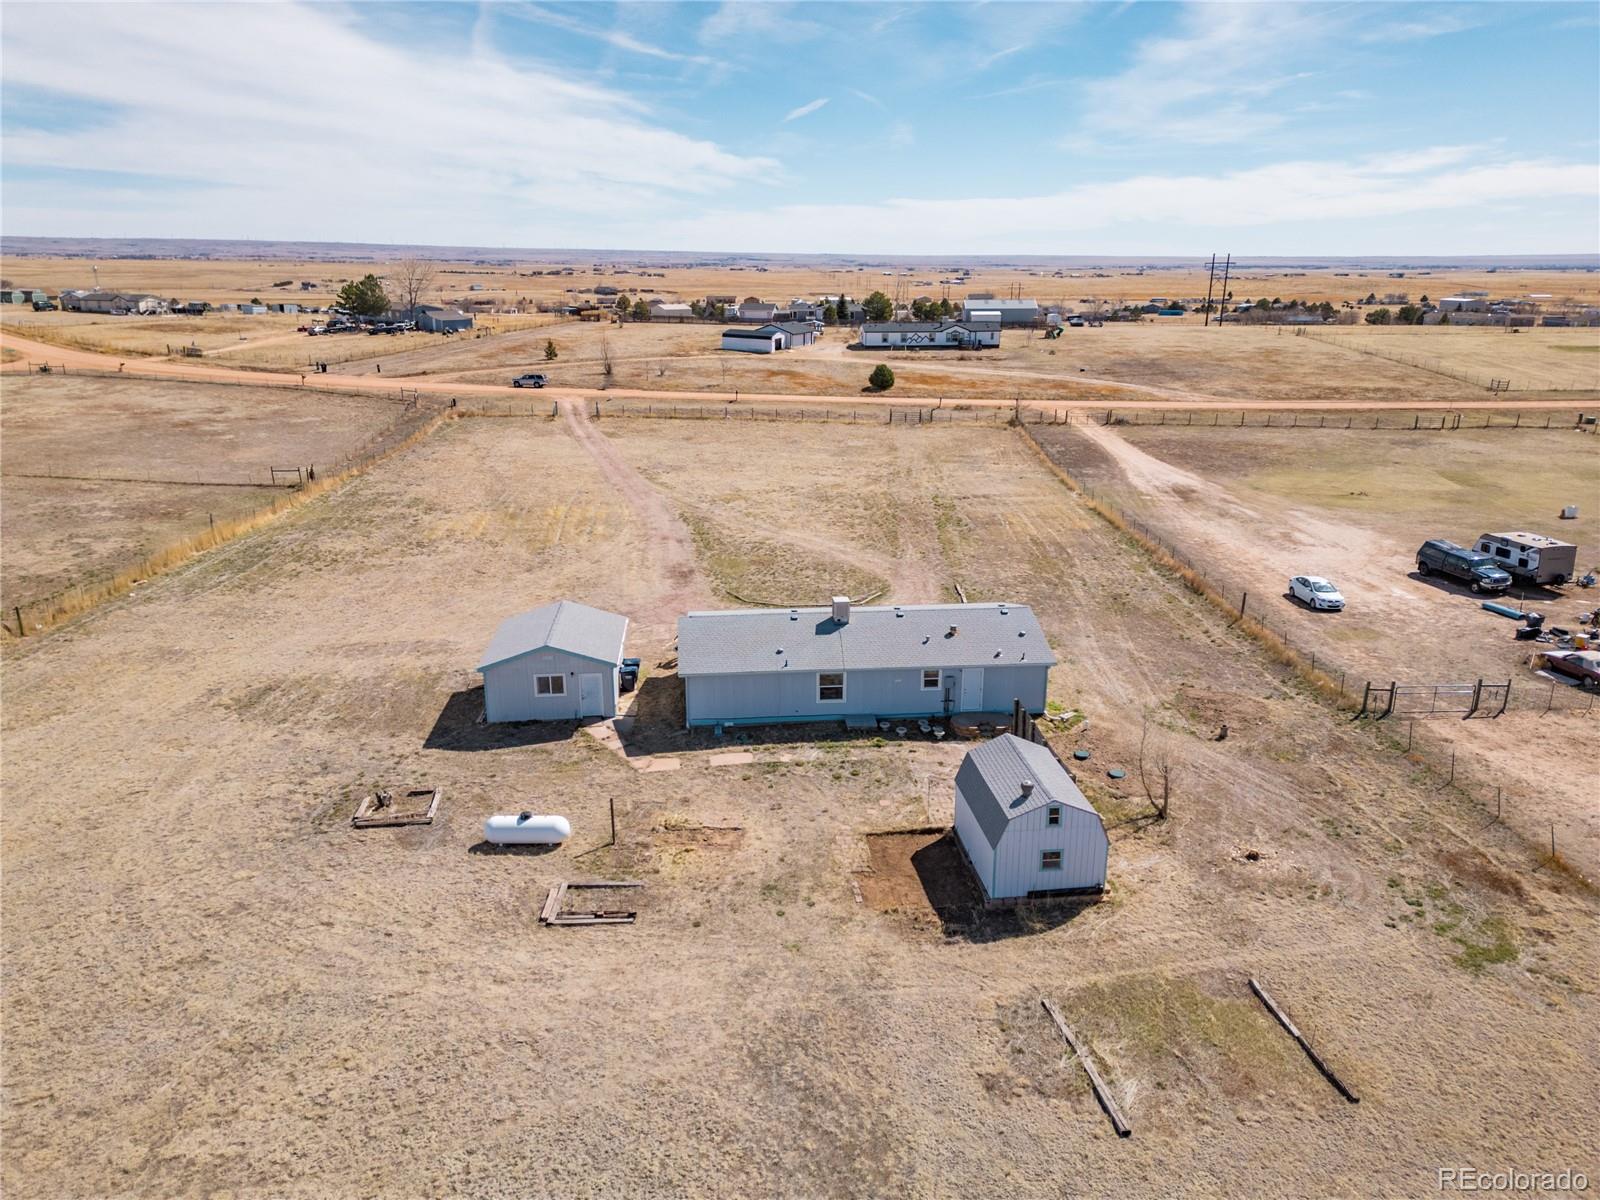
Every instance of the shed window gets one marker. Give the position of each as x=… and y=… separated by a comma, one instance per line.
x=1050, y=860
x=1052, y=815
x=830, y=686
x=550, y=685
x=930, y=680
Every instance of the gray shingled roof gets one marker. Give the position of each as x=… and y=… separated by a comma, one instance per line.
x=756, y=641
x=991, y=775
x=564, y=625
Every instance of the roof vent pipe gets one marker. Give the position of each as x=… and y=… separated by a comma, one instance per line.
x=1027, y=787
x=952, y=632
x=841, y=609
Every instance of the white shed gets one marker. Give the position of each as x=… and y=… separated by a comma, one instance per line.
x=1025, y=827
x=556, y=663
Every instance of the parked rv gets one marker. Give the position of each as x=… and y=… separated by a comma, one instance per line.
x=1531, y=557
x=1477, y=571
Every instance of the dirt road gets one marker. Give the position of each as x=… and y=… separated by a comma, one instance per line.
x=670, y=545
x=1139, y=396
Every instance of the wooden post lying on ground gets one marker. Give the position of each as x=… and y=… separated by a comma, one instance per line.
x=1101, y=1092
x=1316, y=1059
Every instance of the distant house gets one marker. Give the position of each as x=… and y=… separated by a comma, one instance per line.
x=1024, y=825
x=253, y=310
x=931, y=335
x=281, y=307
x=306, y=285
x=605, y=290
x=1012, y=312
x=771, y=665
x=754, y=311
x=1452, y=304
x=433, y=318
x=556, y=663
x=118, y=303
x=723, y=300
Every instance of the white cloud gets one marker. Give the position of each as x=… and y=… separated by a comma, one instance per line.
x=618, y=38
x=295, y=110
x=1161, y=214
x=805, y=110
x=1207, y=82
x=758, y=21
x=867, y=97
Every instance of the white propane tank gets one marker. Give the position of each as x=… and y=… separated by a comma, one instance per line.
x=526, y=829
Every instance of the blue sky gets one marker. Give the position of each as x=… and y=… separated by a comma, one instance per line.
x=935, y=128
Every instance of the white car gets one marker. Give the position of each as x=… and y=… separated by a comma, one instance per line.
x=1316, y=592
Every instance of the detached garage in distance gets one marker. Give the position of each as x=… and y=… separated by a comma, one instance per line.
x=1023, y=824
x=556, y=663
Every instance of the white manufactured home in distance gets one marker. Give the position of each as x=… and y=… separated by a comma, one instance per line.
x=560, y=662
x=930, y=335
x=769, y=666
x=1025, y=827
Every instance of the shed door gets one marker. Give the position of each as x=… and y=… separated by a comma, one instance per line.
x=972, y=689
x=589, y=696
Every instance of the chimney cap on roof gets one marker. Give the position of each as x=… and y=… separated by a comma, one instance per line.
x=841, y=609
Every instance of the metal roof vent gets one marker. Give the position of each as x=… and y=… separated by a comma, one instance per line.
x=841, y=610
x=1027, y=787
x=1002, y=610
x=997, y=651
x=952, y=632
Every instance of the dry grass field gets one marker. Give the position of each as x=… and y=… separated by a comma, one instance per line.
x=1529, y=359
x=238, y=993
x=140, y=464
x=1252, y=507
x=1183, y=361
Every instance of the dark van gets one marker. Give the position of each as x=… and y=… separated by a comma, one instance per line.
x=1477, y=571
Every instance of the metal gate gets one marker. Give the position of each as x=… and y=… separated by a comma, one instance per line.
x=1413, y=700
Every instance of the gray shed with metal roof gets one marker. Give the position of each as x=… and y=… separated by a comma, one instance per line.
x=1025, y=826
x=771, y=665
x=555, y=663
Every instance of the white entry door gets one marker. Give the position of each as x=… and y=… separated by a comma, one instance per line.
x=589, y=696
x=971, y=690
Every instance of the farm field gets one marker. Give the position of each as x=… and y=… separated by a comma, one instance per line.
x=285, y=978
x=139, y=464
x=1251, y=507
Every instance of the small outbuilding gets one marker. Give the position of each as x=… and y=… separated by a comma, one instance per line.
x=432, y=318
x=556, y=663
x=753, y=341
x=1024, y=826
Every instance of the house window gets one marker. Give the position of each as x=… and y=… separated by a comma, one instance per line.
x=830, y=687
x=550, y=685
x=1052, y=815
x=930, y=681
x=1050, y=860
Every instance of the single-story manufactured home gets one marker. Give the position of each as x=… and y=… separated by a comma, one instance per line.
x=555, y=663
x=773, y=665
x=1024, y=825
x=931, y=335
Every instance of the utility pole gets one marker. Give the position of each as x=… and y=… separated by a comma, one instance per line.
x=1222, y=303
x=1211, y=278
